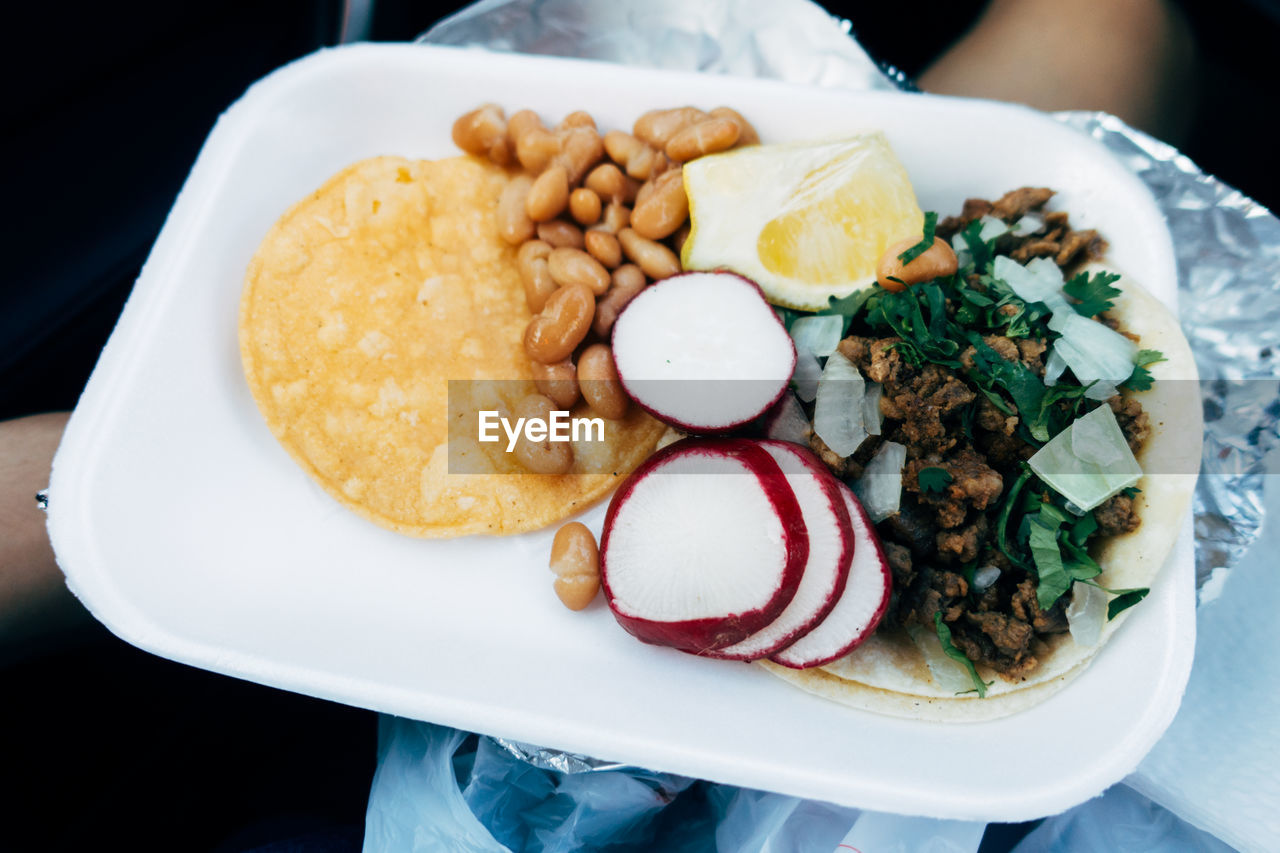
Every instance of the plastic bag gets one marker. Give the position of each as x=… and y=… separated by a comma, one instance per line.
x=1121, y=820
x=441, y=789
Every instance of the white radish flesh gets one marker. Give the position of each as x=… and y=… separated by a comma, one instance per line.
x=860, y=607
x=703, y=351
x=826, y=517
x=703, y=545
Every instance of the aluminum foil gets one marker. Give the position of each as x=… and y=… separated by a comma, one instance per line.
x=1228, y=246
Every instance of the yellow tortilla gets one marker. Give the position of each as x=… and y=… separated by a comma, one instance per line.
x=888, y=673
x=362, y=302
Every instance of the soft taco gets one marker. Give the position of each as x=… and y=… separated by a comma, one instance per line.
x=1001, y=402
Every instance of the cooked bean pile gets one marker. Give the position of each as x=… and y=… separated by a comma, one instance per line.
x=596, y=218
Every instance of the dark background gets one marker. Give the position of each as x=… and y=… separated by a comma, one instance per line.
x=108, y=105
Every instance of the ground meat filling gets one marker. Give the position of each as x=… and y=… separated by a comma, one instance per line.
x=944, y=422
x=1048, y=235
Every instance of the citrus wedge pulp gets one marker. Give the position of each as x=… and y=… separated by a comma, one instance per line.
x=806, y=221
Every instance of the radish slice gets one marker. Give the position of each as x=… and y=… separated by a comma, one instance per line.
x=861, y=606
x=786, y=421
x=703, y=351
x=704, y=544
x=830, y=552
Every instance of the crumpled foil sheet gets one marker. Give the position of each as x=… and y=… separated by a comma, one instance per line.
x=1228, y=250
x=1227, y=246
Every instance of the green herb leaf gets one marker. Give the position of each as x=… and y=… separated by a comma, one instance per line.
x=1051, y=574
x=1140, y=379
x=934, y=480
x=787, y=316
x=983, y=251
x=1026, y=389
x=1094, y=293
x=1124, y=601
x=1006, y=511
x=948, y=648
x=930, y=225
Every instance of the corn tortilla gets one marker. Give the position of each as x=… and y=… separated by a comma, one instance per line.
x=362, y=302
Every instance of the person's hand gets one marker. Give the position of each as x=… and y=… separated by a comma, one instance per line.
x=36, y=608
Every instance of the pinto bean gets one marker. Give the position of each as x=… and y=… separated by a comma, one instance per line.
x=531, y=261
x=574, y=266
x=655, y=259
x=549, y=194
x=748, y=136
x=483, y=132
x=628, y=281
x=657, y=127
x=937, y=261
x=545, y=456
x=598, y=379
x=560, y=234
x=604, y=247
x=561, y=325
x=706, y=137
x=558, y=381
x=575, y=559
x=514, y=224
x=585, y=206
x=662, y=210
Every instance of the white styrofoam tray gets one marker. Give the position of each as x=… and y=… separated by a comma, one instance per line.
x=187, y=530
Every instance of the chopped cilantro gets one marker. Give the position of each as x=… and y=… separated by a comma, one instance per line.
x=930, y=225
x=1052, y=576
x=1124, y=601
x=1124, y=598
x=950, y=650
x=1093, y=293
x=983, y=251
x=1026, y=389
x=1140, y=379
x=1002, y=525
x=933, y=479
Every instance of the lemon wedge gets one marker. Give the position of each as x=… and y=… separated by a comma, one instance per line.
x=806, y=221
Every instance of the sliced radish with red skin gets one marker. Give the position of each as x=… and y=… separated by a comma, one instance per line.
x=786, y=421
x=861, y=606
x=704, y=544
x=831, y=545
x=703, y=351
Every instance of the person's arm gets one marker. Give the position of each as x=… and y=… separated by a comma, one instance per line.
x=1132, y=58
x=36, y=608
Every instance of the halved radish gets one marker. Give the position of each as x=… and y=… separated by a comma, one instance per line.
x=703, y=545
x=786, y=421
x=703, y=351
x=831, y=547
x=861, y=606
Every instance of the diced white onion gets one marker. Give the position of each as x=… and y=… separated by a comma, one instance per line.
x=872, y=416
x=1028, y=224
x=948, y=674
x=1094, y=352
x=1090, y=442
x=1086, y=614
x=1053, y=367
x=984, y=577
x=788, y=422
x=1084, y=482
x=880, y=486
x=961, y=248
x=837, y=415
x=818, y=334
x=991, y=228
x=806, y=376
x=1039, y=281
